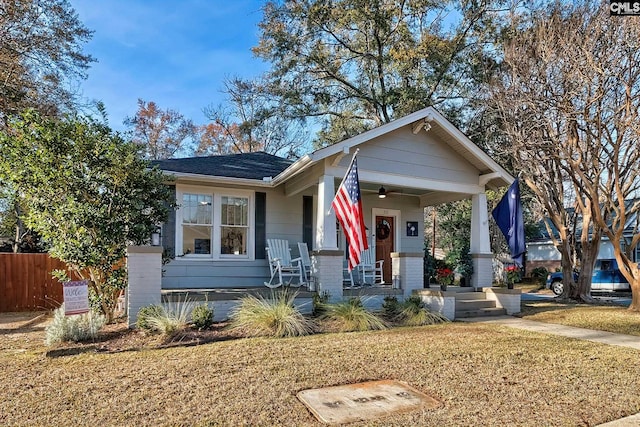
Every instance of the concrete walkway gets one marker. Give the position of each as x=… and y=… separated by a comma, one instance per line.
x=602, y=337
x=571, y=332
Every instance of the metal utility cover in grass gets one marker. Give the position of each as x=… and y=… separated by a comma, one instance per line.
x=364, y=401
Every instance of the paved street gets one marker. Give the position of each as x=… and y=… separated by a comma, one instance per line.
x=621, y=299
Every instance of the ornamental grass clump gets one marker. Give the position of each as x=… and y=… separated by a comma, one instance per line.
x=414, y=313
x=276, y=316
x=76, y=328
x=350, y=316
x=167, y=319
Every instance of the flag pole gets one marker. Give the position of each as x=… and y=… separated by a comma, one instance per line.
x=345, y=176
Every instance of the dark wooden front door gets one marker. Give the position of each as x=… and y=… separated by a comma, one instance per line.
x=385, y=237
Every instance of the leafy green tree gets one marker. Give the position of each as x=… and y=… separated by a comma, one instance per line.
x=87, y=192
x=356, y=64
x=41, y=52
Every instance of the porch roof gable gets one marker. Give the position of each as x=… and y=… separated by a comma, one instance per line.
x=495, y=175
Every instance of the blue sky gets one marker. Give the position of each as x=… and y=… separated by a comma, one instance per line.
x=176, y=53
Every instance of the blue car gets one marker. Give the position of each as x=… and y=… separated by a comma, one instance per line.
x=606, y=278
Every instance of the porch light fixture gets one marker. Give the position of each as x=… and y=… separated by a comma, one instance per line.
x=155, y=237
x=382, y=193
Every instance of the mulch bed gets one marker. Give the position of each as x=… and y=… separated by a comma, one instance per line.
x=117, y=337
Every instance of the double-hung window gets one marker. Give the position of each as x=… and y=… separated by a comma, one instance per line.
x=215, y=223
x=234, y=225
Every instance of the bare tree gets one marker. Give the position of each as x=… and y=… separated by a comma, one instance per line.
x=162, y=133
x=569, y=103
x=250, y=121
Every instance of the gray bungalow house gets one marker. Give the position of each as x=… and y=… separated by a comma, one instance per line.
x=230, y=205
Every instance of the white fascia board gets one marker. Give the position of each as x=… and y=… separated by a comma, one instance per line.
x=295, y=168
x=218, y=179
x=473, y=148
x=373, y=133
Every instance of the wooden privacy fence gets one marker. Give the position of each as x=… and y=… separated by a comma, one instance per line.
x=26, y=282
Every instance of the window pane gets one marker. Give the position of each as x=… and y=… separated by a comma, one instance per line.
x=233, y=240
x=235, y=211
x=196, y=239
x=197, y=209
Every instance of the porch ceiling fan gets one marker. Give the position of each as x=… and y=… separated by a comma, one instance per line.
x=384, y=193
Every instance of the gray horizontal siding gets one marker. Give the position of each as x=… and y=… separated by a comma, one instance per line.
x=420, y=155
x=186, y=274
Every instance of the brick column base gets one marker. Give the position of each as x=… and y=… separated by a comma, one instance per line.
x=407, y=271
x=482, y=270
x=326, y=266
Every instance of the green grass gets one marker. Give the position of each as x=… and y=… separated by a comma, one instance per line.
x=483, y=375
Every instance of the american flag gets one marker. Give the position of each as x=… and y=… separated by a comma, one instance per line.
x=348, y=208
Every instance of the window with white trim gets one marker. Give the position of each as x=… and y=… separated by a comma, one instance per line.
x=234, y=225
x=215, y=223
x=197, y=221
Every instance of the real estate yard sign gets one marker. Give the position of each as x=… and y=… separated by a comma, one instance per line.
x=76, y=297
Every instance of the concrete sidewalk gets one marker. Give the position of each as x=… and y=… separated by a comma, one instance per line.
x=602, y=337
x=571, y=332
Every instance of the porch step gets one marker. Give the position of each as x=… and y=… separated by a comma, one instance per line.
x=470, y=295
x=481, y=312
x=476, y=304
x=463, y=305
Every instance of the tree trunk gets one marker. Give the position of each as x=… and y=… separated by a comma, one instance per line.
x=635, y=295
x=567, y=268
x=588, y=256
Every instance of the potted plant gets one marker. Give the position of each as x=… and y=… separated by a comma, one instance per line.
x=513, y=275
x=445, y=277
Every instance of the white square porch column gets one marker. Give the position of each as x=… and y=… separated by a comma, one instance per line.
x=480, y=246
x=326, y=217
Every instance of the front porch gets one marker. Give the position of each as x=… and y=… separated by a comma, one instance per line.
x=145, y=272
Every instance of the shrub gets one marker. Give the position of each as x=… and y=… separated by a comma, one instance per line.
x=202, y=316
x=390, y=307
x=145, y=313
x=540, y=274
x=414, y=313
x=276, y=316
x=320, y=301
x=77, y=327
x=350, y=315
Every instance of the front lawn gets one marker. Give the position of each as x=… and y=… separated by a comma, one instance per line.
x=483, y=375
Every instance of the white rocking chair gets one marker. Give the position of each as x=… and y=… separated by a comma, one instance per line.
x=370, y=269
x=282, y=265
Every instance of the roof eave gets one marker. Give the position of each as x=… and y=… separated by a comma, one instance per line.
x=265, y=182
x=295, y=168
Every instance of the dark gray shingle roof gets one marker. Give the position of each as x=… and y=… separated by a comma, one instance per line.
x=246, y=165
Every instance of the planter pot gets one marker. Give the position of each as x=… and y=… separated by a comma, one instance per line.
x=443, y=287
x=509, y=285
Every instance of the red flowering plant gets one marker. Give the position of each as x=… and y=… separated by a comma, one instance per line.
x=513, y=274
x=444, y=276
